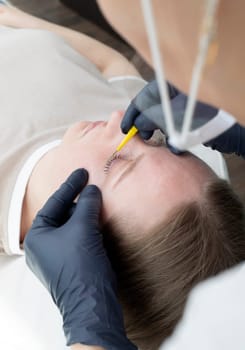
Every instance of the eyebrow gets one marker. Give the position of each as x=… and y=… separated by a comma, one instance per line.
x=128, y=169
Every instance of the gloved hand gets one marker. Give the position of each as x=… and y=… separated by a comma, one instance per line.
x=231, y=141
x=145, y=112
x=68, y=257
x=146, y=109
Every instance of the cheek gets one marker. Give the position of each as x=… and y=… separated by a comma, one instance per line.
x=85, y=155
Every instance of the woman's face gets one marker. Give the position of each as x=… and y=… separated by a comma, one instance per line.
x=144, y=182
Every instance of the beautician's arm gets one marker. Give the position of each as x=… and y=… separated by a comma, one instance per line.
x=108, y=61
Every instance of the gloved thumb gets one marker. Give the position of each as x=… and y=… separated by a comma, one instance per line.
x=151, y=119
x=58, y=205
x=88, y=208
x=85, y=221
x=129, y=117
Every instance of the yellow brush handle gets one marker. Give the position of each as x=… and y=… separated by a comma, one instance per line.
x=128, y=137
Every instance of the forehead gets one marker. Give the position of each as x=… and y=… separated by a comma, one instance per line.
x=178, y=177
x=160, y=182
x=163, y=161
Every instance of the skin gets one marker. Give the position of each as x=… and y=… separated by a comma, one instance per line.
x=154, y=185
x=85, y=347
x=178, y=27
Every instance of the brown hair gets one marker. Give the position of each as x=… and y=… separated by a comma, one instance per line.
x=157, y=270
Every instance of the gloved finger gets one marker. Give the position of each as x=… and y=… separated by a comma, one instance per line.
x=147, y=103
x=88, y=208
x=147, y=97
x=129, y=118
x=150, y=95
x=202, y=112
x=85, y=222
x=71, y=211
x=230, y=141
x=61, y=201
x=68, y=214
x=146, y=120
x=146, y=135
x=172, y=91
x=152, y=119
x=173, y=149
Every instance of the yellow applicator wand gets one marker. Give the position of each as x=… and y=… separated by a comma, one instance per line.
x=133, y=130
x=127, y=137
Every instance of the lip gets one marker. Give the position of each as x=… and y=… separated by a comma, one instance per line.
x=93, y=125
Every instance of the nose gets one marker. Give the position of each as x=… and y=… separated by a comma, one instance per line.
x=113, y=131
x=113, y=125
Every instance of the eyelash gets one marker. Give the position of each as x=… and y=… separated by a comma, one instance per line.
x=109, y=162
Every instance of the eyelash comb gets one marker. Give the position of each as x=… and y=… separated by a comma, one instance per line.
x=133, y=130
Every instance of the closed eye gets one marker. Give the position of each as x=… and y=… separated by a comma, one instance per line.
x=111, y=161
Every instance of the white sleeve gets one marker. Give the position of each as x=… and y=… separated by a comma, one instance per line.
x=129, y=85
x=214, y=317
x=16, y=202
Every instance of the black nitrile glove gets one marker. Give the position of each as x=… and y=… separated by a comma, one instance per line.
x=145, y=111
x=231, y=141
x=68, y=257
